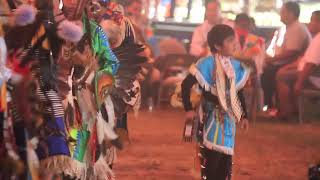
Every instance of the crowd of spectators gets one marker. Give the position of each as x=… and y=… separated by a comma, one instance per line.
x=283, y=69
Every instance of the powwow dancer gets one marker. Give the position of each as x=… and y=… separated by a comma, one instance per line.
x=125, y=45
x=220, y=77
x=112, y=89
x=76, y=138
x=11, y=163
x=37, y=64
x=35, y=111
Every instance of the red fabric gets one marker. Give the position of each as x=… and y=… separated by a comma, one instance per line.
x=93, y=143
x=112, y=14
x=14, y=65
x=242, y=32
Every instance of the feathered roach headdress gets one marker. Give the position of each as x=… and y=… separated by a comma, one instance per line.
x=113, y=23
x=113, y=11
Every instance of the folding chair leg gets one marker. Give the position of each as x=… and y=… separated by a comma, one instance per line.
x=301, y=108
x=159, y=95
x=254, y=109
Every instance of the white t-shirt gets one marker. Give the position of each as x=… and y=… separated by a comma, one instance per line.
x=297, y=37
x=312, y=55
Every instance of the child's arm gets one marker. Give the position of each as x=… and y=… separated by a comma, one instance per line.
x=186, y=86
x=244, y=123
x=243, y=103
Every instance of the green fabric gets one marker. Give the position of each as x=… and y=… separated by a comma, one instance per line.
x=107, y=60
x=81, y=147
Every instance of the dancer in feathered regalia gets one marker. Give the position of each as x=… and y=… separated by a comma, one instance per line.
x=67, y=87
x=127, y=48
x=111, y=79
x=35, y=108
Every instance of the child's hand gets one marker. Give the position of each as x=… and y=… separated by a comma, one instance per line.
x=244, y=124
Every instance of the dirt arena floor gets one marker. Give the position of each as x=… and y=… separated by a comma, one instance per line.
x=270, y=150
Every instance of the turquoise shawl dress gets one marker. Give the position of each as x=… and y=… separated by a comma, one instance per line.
x=219, y=128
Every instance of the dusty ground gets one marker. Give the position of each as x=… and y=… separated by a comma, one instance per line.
x=270, y=150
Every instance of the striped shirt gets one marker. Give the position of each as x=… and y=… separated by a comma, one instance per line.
x=52, y=101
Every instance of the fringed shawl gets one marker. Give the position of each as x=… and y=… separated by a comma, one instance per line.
x=205, y=72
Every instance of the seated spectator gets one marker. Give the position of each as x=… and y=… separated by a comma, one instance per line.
x=149, y=79
x=253, y=26
x=172, y=53
x=171, y=46
x=296, y=40
x=199, y=45
x=314, y=23
x=293, y=77
x=250, y=47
